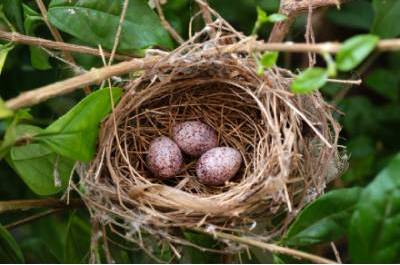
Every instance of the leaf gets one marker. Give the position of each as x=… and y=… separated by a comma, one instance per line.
x=12, y=9
x=4, y=50
x=96, y=22
x=267, y=60
x=9, y=249
x=44, y=171
x=310, y=80
x=331, y=65
x=36, y=249
x=77, y=243
x=263, y=18
x=362, y=151
x=387, y=13
x=384, y=82
x=354, y=51
x=273, y=18
x=13, y=132
x=361, y=115
x=193, y=255
x=323, y=220
x=32, y=19
x=374, y=228
x=4, y=111
x=74, y=135
x=356, y=14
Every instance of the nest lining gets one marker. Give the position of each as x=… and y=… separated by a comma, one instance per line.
x=288, y=144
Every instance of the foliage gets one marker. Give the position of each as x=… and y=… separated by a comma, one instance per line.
x=40, y=146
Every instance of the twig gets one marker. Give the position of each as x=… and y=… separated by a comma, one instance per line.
x=357, y=74
x=38, y=95
x=205, y=11
x=32, y=218
x=15, y=205
x=94, y=250
x=386, y=45
x=166, y=24
x=18, y=38
x=270, y=247
x=118, y=33
x=291, y=8
x=336, y=253
x=54, y=32
x=57, y=36
x=106, y=247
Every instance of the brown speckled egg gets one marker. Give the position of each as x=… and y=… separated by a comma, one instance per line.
x=164, y=158
x=218, y=165
x=194, y=137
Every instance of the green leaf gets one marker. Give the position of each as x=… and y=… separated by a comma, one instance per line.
x=37, y=250
x=354, y=51
x=77, y=242
x=356, y=14
x=323, y=220
x=310, y=80
x=32, y=20
x=74, y=135
x=331, y=65
x=12, y=9
x=374, y=229
x=263, y=18
x=44, y=171
x=14, y=132
x=384, y=82
x=4, y=50
x=273, y=18
x=10, y=252
x=387, y=14
x=4, y=111
x=267, y=60
x=96, y=22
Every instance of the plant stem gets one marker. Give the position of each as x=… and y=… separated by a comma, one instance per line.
x=167, y=26
x=32, y=218
x=18, y=38
x=292, y=8
x=39, y=95
x=270, y=247
x=6, y=206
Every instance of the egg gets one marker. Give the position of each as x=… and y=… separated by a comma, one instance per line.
x=218, y=165
x=164, y=158
x=194, y=137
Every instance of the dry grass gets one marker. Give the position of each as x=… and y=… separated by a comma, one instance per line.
x=288, y=143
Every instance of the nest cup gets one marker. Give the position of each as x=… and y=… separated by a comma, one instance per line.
x=288, y=144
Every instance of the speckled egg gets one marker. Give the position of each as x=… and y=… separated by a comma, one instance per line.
x=194, y=137
x=218, y=165
x=164, y=158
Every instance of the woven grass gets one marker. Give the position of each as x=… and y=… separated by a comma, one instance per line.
x=288, y=144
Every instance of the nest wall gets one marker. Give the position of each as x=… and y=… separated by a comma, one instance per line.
x=288, y=144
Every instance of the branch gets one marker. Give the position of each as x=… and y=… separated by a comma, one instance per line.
x=55, y=45
x=36, y=96
x=6, y=206
x=54, y=32
x=292, y=8
x=269, y=247
x=167, y=26
x=39, y=95
x=32, y=218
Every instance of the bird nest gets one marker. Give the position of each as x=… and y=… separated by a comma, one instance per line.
x=288, y=144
